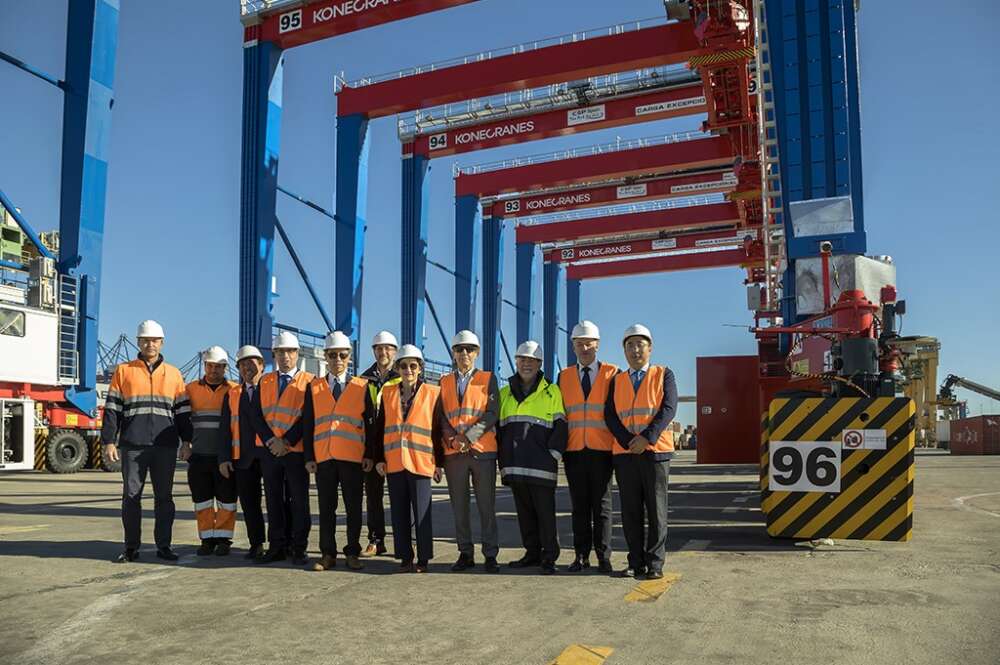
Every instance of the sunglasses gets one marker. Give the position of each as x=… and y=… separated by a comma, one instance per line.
x=465, y=349
x=412, y=367
x=343, y=355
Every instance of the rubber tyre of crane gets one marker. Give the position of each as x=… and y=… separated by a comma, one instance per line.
x=106, y=464
x=67, y=452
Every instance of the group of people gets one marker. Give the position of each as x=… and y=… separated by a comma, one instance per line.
x=266, y=435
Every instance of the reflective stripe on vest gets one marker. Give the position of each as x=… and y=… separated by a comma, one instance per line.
x=408, y=443
x=636, y=408
x=206, y=411
x=472, y=409
x=281, y=414
x=376, y=392
x=585, y=416
x=339, y=427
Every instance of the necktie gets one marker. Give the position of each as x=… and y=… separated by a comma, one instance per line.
x=585, y=383
x=250, y=392
x=462, y=382
x=283, y=380
x=637, y=378
x=337, y=389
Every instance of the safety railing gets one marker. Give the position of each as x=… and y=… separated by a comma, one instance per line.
x=69, y=358
x=250, y=7
x=586, y=151
x=537, y=100
x=525, y=47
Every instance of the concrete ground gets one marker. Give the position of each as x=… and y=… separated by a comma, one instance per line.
x=740, y=596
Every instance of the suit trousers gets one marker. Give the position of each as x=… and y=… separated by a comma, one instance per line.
x=642, y=490
x=349, y=477
x=588, y=473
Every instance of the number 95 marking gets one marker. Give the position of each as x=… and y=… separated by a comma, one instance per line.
x=804, y=466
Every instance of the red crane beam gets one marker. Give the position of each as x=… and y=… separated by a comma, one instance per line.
x=648, y=47
x=691, y=217
x=708, y=152
x=669, y=263
x=590, y=197
x=601, y=250
x=313, y=20
x=688, y=99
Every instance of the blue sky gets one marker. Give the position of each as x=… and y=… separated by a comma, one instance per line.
x=930, y=149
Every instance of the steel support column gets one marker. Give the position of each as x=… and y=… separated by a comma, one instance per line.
x=552, y=275
x=468, y=238
x=413, y=248
x=492, y=290
x=351, y=213
x=91, y=49
x=526, y=274
x=572, y=316
x=262, y=92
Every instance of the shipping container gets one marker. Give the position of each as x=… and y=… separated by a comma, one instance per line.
x=979, y=435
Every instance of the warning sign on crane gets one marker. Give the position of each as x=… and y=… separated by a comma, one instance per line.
x=864, y=439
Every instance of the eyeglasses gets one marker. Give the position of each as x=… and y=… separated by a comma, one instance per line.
x=465, y=349
x=343, y=355
x=410, y=367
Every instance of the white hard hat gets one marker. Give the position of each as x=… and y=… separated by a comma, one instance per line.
x=409, y=351
x=637, y=330
x=465, y=337
x=385, y=337
x=529, y=349
x=337, y=340
x=586, y=330
x=285, y=340
x=149, y=328
x=215, y=354
x=248, y=351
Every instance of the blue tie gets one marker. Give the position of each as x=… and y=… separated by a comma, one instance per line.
x=585, y=384
x=283, y=380
x=637, y=379
x=337, y=389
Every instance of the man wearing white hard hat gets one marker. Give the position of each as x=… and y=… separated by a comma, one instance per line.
x=242, y=453
x=407, y=449
x=641, y=403
x=587, y=460
x=278, y=406
x=469, y=410
x=144, y=400
x=382, y=373
x=337, y=420
x=213, y=494
x=532, y=436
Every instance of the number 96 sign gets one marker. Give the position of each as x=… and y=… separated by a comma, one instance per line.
x=804, y=466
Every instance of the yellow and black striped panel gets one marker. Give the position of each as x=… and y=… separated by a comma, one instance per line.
x=725, y=56
x=95, y=456
x=764, y=457
x=41, y=448
x=875, y=501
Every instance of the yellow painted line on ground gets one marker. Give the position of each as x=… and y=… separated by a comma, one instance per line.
x=5, y=530
x=582, y=654
x=650, y=590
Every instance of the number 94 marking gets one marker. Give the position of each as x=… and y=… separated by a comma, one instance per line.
x=804, y=466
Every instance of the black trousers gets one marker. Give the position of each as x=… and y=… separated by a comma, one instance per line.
x=589, y=475
x=410, y=503
x=281, y=475
x=249, y=483
x=642, y=489
x=536, y=517
x=350, y=478
x=374, y=505
x=138, y=463
x=214, y=498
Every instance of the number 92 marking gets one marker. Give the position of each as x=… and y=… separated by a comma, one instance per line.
x=804, y=466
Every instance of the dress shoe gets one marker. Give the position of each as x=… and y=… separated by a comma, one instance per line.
x=421, y=567
x=222, y=548
x=255, y=552
x=354, y=563
x=206, y=548
x=634, y=572
x=464, y=562
x=166, y=554
x=548, y=568
x=654, y=574
x=407, y=567
x=525, y=562
x=579, y=563
x=326, y=562
x=272, y=555
x=299, y=557
x=491, y=565
x=374, y=549
x=604, y=567
x=127, y=556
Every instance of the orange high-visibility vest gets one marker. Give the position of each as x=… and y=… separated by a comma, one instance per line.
x=206, y=413
x=281, y=414
x=339, y=426
x=470, y=411
x=408, y=444
x=585, y=417
x=636, y=409
x=234, y=422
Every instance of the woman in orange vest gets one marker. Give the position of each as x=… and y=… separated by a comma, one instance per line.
x=641, y=403
x=410, y=454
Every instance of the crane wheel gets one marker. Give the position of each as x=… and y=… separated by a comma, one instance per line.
x=66, y=452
